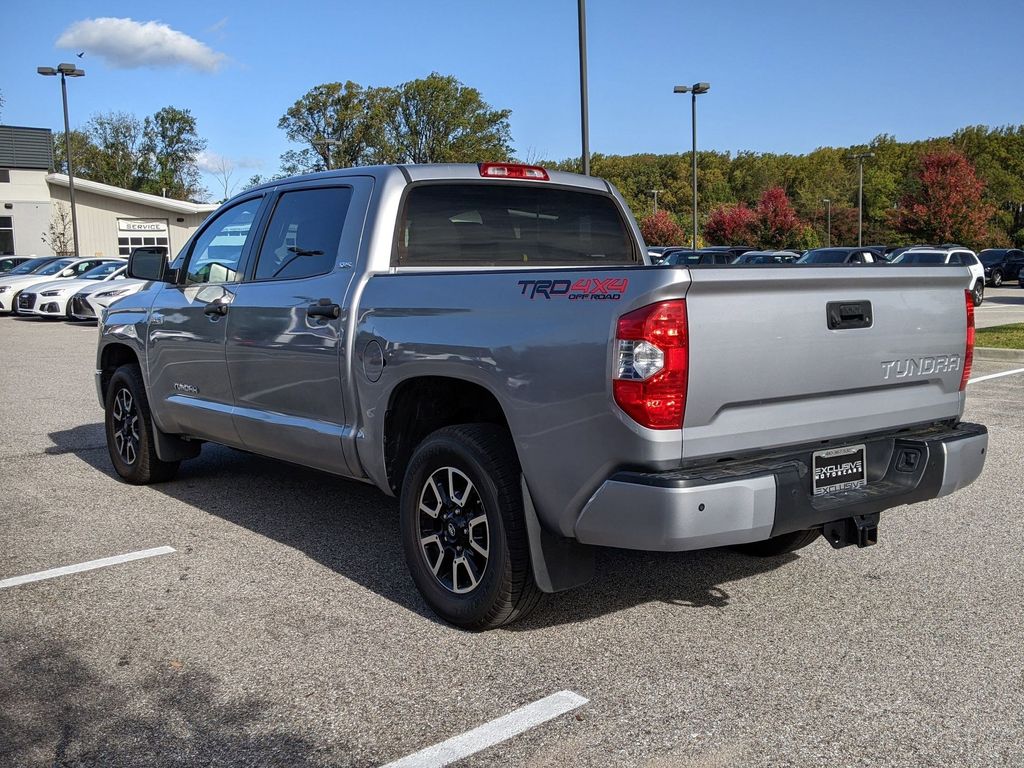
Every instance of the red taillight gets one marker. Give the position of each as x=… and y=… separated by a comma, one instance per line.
x=969, y=352
x=651, y=364
x=513, y=171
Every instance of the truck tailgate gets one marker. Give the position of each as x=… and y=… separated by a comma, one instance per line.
x=767, y=370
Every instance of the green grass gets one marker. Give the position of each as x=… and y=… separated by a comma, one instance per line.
x=1004, y=336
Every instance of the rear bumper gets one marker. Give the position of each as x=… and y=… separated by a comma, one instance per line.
x=741, y=501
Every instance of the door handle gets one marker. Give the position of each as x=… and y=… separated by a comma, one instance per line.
x=848, y=314
x=324, y=308
x=216, y=309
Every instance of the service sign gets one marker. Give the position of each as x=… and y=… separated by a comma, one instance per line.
x=141, y=225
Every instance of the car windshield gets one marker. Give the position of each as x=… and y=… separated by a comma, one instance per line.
x=28, y=267
x=992, y=255
x=921, y=257
x=823, y=256
x=55, y=267
x=103, y=270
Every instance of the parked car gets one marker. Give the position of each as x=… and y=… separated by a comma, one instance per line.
x=732, y=250
x=89, y=303
x=1001, y=264
x=956, y=255
x=488, y=343
x=842, y=256
x=695, y=258
x=60, y=269
x=53, y=299
x=767, y=257
x=7, y=263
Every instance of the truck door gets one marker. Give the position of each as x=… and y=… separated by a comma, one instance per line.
x=286, y=328
x=188, y=372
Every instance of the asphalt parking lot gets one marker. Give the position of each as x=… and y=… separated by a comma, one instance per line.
x=1001, y=306
x=283, y=629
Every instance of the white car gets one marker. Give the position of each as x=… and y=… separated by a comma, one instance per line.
x=953, y=255
x=53, y=299
x=89, y=304
x=59, y=269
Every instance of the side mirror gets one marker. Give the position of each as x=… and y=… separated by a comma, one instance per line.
x=148, y=264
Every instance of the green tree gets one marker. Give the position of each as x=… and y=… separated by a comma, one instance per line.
x=332, y=122
x=83, y=155
x=121, y=157
x=172, y=144
x=437, y=119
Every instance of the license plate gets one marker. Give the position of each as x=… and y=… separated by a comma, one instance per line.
x=839, y=469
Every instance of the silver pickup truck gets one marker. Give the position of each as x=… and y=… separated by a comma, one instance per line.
x=490, y=344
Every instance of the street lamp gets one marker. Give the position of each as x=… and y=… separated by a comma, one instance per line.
x=696, y=89
x=655, y=193
x=860, y=157
x=65, y=71
x=828, y=230
x=328, y=143
x=581, y=7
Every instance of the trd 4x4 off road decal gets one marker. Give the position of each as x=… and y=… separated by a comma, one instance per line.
x=587, y=289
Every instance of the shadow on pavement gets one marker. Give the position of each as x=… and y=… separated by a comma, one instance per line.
x=57, y=711
x=353, y=529
x=1008, y=300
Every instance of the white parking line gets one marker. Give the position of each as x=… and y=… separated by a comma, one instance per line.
x=995, y=375
x=494, y=732
x=53, y=573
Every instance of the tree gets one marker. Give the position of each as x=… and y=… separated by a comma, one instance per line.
x=331, y=120
x=661, y=229
x=120, y=156
x=946, y=205
x=172, y=145
x=777, y=224
x=60, y=235
x=437, y=119
x=730, y=225
x=83, y=154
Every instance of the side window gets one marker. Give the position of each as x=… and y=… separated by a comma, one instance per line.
x=1016, y=257
x=857, y=258
x=217, y=251
x=303, y=235
x=956, y=258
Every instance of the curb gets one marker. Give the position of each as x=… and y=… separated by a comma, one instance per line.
x=995, y=354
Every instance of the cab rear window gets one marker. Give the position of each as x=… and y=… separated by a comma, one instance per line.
x=505, y=225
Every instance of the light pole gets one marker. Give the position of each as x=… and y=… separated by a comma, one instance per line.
x=696, y=89
x=584, y=120
x=655, y=193
x=828, y=227
x=860, y=157
x=328, y=143
x=65, y=71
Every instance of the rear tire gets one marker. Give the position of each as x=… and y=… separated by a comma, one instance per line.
x=978, y=293
x=463, y=530
x=129, y=427
x=779, y=545
x=997, y=279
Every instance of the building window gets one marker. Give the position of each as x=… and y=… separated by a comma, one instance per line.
x=6, y=236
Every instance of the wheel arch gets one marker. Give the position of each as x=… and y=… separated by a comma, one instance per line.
x=113, y=356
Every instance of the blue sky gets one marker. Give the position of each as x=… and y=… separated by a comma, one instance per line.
x=785, y=76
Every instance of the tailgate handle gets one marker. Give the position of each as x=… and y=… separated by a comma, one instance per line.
x=848, y=314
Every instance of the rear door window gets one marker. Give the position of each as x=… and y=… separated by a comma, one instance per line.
x=304, y=233
x=504, y=225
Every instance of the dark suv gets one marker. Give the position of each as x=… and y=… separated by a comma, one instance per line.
x=1001, y=264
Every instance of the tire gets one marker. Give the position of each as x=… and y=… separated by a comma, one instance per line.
x=978, y=293
x=471, y=567
x=128, y=424
x=779, y=545
x=997, y=279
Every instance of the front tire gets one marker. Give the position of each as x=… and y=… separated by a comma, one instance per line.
x=129, y=427
x=463, y=530
x=997, y=279
x=978, y=293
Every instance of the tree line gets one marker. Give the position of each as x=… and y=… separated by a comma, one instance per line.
x=439, y=119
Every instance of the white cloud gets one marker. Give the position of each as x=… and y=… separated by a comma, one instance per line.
x=211, y=162
x=130, y=44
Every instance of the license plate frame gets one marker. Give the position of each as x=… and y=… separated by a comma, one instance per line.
x=839, y=469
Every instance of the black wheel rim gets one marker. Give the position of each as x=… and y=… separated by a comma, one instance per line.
x=125, y=423
x=453, y=530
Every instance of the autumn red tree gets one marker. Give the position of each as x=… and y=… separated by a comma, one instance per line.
x=946, y=206
x=730, y=225
x=661, y=229
x=777, y=224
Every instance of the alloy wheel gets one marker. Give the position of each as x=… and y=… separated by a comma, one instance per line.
x=453, y=530
x=125, y=418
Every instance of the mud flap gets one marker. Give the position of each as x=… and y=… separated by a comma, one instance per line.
x=558, y=563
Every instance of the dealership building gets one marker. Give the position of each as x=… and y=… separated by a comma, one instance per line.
x=111, y=220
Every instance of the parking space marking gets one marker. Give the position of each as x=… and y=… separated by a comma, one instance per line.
x=494, y=732
x=103, y=562
x=995, y=375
